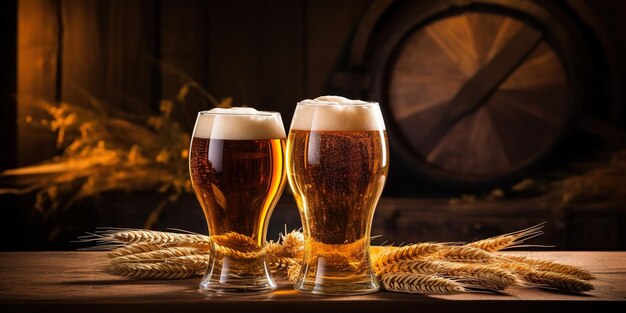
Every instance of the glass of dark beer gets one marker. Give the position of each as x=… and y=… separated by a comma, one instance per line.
x=238, y=174
x=337, y=163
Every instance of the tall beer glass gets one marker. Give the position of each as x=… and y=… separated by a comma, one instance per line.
x=337, y=163
x=238, y=174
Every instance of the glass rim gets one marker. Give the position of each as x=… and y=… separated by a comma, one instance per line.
x=258, y=113
x=331, y=103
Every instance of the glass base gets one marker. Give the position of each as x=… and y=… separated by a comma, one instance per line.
x=335, y=288
x=237, y=276
x=327, y=278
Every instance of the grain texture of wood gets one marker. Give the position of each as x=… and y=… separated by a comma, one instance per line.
x=73, y=281
x=478, y=94
x=37, y=64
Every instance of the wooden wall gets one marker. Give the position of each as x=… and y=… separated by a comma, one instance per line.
x=38, y=74
x=8, y=83
x=266, y=54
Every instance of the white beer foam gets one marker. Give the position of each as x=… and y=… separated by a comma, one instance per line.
x=238, y=124
x=337, y=113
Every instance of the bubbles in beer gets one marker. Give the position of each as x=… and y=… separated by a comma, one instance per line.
x=237, y=171
x=337, y=166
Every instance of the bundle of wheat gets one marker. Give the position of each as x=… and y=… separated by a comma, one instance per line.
x=425, y=268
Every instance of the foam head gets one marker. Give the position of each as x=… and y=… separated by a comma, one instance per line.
x=337, y=113
x=239, y=124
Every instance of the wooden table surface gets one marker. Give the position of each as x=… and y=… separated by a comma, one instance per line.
x=73, y=281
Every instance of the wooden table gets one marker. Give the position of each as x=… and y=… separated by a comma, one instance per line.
x=72, y=281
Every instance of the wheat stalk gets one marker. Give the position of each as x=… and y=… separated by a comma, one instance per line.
x=486, y=276
x=236, y=241
x=411, y=266
x=419, y=283
x=417, y=268
x=294, y=272
x=278, y=264
x=198, y=261
x=291, y=246
x=545, y=265
x=464, y=254
x=489, y=273
x=150, y=236
x=156, y=255
x=545, y=278
x=509, y=240
x=133, y=248
x=411, y=252
x=151, y=270
x=559, y=281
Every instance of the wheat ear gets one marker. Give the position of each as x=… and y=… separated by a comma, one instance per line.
x=415, y=266
x=510, y=240
x=487, y=273
x=545, y=265
x=150, y=236
x=278, y=264
x=291, y=246
x=133, y=248
x=464, y=254
x=559, y=281
x=418, y=283
x=548, y=279
x=198, y=261
x=293, y=272
x=151, y=270
x=485, y=276
x=156, y=255
x=411, y=252
x=236, y=241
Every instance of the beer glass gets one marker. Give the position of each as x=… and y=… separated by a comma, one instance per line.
x=238, y=174
x=337, y=163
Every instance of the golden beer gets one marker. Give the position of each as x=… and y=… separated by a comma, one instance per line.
x=237, y=171
x=238, y=185
x=337, y=170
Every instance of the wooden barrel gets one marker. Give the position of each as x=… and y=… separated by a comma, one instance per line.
x=476, y=92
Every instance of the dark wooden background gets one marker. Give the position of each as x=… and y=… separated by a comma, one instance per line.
x=267, y=53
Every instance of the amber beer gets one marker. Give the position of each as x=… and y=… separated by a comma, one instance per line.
x=238, y=174
x=337, y=163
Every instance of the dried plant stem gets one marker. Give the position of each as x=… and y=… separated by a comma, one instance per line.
x=509, y=240
x=545, y=265
x=431, y=268
x=411, y=252
x=276, y=263
x=156, y=255
x=155, y=237
x=559, y=281
x=133, y=248
x=464, y=254
x=377, y=251
x=236, y=241
x=294, y=272
x=292, y=245
x=412, y=266
x=151, y=270
x=273, y=248
x=218, y=250
x=419, y=283
x=198, y=262
x=545, y=278
x=487, y=276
